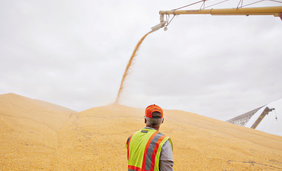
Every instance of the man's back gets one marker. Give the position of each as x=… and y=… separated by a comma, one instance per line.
x=145, y=150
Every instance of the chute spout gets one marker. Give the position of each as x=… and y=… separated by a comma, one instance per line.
x=161, y=25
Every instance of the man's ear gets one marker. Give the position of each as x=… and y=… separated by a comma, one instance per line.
x=145, y=120
x=163, y=120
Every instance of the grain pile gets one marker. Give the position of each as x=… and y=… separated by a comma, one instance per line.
x=29, y=132
x=36, y=135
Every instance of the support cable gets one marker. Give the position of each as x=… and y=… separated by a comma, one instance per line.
x=169, y=21
x=276, y=1
x=217, y=3
x=203, y=4
x=261, y=1
x=187, y=5
x=240, y=4
x=252, y=3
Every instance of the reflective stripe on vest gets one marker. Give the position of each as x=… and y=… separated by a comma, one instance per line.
x=127, y=145
x=134, y=168
x=145, y=157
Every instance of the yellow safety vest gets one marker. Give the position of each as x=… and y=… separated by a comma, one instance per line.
x=144, y=149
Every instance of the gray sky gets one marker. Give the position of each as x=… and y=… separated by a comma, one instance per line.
x=73, y=53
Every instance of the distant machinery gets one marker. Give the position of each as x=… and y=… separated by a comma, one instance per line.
x=262, y=115
x=244, y=118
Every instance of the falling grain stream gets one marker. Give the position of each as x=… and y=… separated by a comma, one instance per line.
x=129, y=65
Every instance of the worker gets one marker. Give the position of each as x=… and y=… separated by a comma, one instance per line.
x=148, y=149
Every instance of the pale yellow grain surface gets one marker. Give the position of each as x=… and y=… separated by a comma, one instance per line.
x=36, y=135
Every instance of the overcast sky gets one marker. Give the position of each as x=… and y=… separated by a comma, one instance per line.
x=73, y=53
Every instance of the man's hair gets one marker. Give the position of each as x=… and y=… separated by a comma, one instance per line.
x=155, y=120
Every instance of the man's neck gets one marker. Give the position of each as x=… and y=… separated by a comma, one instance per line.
x=156, y=128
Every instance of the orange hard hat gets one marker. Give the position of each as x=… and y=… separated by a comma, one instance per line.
x=153, y=108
